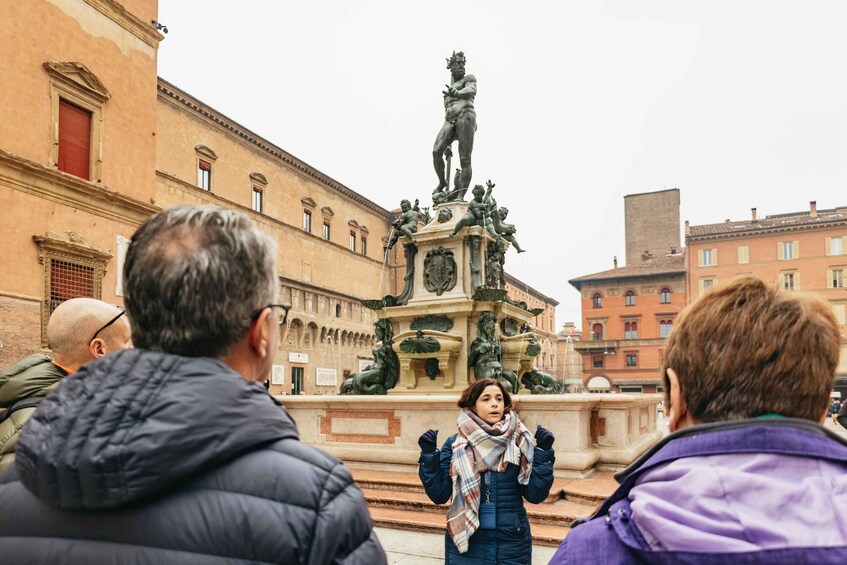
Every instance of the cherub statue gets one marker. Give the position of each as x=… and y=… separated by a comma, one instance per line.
x=406, y=223
x=507, y=231
x=475, y=216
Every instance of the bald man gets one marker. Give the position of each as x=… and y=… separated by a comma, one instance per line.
x=79, y=330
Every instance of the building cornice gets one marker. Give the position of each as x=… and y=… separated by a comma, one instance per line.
x=127, y=20
x=577, y=284
x=39, y=180
x=182, y=99
x=760, y=231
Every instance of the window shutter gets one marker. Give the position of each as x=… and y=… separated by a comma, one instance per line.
x=829, y=246
x=74, y=140
x=795, y=245
x=828, y=274
x=797, y=281
x=780, y=251
x=700, y=258
x=714, y=256
x=701, y=287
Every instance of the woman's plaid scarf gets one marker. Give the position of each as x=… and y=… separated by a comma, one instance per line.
x=483, y=447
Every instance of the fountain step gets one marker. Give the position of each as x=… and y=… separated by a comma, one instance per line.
x=590, y=491
x=558, y=513
x=542, y=534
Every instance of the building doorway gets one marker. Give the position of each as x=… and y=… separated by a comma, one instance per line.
x=296, y=380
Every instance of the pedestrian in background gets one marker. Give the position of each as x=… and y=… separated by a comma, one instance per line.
x=79, y=330
x=489, y=467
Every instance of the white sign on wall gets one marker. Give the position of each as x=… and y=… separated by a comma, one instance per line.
x=298, y=357
x=326, y=377
x=278, y=375
x=121, y=246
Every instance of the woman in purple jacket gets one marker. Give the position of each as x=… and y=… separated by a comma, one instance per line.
x=749, y=474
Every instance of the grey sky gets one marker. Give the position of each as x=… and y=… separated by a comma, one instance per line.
x=738, y=103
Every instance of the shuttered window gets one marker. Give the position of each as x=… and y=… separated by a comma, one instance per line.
x=74, y=140
x=743, y=254
x=788, y=250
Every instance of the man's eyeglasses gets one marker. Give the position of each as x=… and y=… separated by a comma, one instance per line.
x=106, y=325
x=282, y=319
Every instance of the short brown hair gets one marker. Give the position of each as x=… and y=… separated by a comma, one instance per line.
x=746, y=349
x=471, y=394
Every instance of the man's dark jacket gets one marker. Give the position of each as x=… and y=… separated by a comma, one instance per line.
x=149, y=458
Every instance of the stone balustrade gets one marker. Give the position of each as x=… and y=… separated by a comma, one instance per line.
x=593, y=431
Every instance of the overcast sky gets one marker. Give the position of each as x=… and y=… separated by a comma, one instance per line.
x=737, y=103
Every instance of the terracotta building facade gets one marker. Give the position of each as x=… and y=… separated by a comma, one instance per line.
x=628, y=311
x=803, y=251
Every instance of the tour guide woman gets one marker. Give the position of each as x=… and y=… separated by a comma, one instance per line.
x=488, y=467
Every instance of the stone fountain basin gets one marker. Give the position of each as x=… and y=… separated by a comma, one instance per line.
x=450, y=343
x=516, y=344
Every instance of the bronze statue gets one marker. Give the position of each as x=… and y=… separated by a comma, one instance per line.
x=494, y=260
x=504, y=230
x=541, y=383
x=459, y=123
x=485, y=354
x=406, y=223
x=382, y=374
x=477, y=210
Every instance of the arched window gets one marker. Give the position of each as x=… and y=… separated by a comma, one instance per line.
x=665, y=327
x=665, y=296
x=597, y=331
x=630, y=298
x=631, y=330
x=597, y=300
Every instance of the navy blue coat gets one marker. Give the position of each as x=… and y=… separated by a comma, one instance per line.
x=511, y=542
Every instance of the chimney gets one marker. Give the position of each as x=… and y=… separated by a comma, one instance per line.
x=813, y=209
x=754, y=214
x=687, y=228
x=615, y=261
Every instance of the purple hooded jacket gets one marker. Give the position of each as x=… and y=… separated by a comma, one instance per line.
x=752, y=491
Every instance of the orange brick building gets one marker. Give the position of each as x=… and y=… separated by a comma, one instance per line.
x=799, y=251
x=628, y=311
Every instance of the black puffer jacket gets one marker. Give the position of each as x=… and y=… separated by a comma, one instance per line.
x=149, y=458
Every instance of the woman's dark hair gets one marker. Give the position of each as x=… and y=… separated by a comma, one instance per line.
x=471, y=394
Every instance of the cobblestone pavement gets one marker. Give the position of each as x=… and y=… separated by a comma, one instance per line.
x=419, y=548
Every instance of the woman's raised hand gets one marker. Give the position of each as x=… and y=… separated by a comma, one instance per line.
x=428, y=440
x=544, y=438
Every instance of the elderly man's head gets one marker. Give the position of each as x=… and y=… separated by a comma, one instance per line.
x=746, y=349
x=83, y=329
x=198, y=282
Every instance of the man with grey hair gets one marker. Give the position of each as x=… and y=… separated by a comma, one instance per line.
x=174, y=452
x=79, y=330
